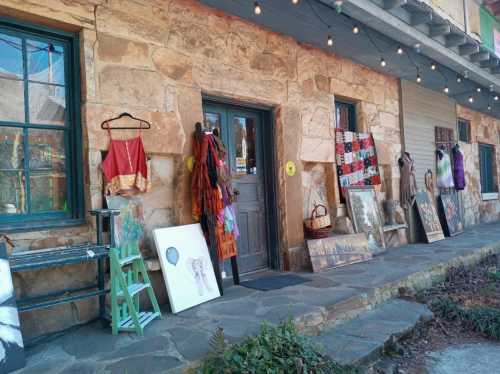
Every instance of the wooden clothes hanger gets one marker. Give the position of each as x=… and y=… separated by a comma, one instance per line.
x=143, y=124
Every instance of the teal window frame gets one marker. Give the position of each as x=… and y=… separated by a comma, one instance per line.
x=487, y=165
x=75, y=213
x=351, y=114
x=464, y=130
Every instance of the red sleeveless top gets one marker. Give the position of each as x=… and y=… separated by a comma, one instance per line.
x=125, y=167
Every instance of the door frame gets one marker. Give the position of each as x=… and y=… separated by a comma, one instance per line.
x=269, y=162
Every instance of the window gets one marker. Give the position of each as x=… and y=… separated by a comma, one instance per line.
x=487, y=169
x=345, y=115
x=463, y=130
x=39, y=128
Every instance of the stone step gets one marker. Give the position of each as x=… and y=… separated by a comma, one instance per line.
x=361, y=340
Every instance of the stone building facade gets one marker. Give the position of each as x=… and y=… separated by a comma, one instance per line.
x=158, y=59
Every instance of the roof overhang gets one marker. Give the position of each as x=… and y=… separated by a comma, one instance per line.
x=390, y=23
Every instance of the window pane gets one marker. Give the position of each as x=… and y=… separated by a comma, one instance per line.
x=12, y=192
x=11, y=148
x=47, y=150
x=11, y=57
x=47, y=104
x=212, y=121
x=45, y=62
x=246, y=162
x=11, y=100
x=48, y=191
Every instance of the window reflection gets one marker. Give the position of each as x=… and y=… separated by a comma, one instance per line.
x=212, y=121
x=246, y=162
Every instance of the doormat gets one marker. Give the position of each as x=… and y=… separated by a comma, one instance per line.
x=274, y=282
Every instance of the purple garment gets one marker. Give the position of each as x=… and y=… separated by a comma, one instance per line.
x=458, y=170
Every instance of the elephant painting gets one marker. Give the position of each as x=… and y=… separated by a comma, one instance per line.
x=11, y=340
x=197, y=267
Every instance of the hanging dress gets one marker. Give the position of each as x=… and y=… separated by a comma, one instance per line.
x=125, y=167
x=444, y=175
x=458, y=169
x=408, y=183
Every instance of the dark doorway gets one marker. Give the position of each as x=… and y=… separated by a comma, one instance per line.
x=242, y=131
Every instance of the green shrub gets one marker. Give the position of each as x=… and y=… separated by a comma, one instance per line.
x=275, y=350
x=485, y=320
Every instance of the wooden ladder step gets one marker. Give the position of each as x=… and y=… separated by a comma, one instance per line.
x=128, y=260
x=134, y=289
x=144, y=318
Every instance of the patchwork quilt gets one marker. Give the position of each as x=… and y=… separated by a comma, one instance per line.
x=356, y=158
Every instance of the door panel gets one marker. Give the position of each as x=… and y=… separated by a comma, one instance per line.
x=241, y=132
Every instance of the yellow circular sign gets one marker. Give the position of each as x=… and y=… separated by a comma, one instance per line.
x=190, y=163
x=290, y=168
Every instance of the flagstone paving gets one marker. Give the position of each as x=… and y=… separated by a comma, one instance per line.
x=330, y=298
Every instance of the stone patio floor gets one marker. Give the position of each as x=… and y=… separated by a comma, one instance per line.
x=170, y=344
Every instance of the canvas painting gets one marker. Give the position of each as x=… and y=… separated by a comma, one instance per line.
x=365, y=214
x=338, y=251
x=11, y=340
x=452, y=216
x=129, y=225
x=187, y=269
x=429, y=217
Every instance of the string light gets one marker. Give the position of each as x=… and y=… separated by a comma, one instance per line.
x=256, y=8
x=419, y=78
x=329, y=41
x=338, y=5
x=382, y=62
x=471, y=99
x=446, y=89
x=400, y=50
x=496, y=98
x=295, y=2
x=433, y=66
x=478, y=89
x=489, y=107
x=459, y=79
x=355, y=29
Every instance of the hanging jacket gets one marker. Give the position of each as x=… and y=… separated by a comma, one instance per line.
x=444, y=176
x=458, y=169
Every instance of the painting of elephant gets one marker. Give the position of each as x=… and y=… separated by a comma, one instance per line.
x=186, y=266
x=11, y=340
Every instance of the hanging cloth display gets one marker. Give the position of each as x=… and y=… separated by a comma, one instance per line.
x=212, y=193
x=408, y=183
x=444, y=175
x=458, y=168
x=125, y=167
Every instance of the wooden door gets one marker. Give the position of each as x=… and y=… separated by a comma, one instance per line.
x=241, y=132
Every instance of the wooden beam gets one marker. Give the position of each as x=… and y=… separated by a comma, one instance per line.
x=454, y=40
x=468, y=49
x=495, y=70
x=419, y=18
x=390, y=4
x=480, y=56
x=439, y=29
x=491, y=63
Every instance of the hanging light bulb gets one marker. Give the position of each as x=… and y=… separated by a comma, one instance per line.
x=433, y=66
x=489, y=107
x=446, y=89
x=400, y=50
x=295, y=2
x=329, y=41
x=256, y=8
x=419, y=78
x=496, y=98
x=382, y=62
x=471, y=99
x=355, y=29
x=338, y=5
x=478, y=89
x=459, y=79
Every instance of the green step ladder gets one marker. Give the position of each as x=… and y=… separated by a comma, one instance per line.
x=129, y=278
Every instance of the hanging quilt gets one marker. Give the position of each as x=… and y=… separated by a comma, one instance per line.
x=356, y=158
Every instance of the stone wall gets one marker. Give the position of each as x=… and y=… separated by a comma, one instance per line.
x=156, y=58
x=484, y=129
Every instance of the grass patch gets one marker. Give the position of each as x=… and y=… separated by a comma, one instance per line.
x=485, y=320
x=274, y=350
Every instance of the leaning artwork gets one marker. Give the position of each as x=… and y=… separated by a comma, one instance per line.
x=11, y=341
x=429, y=217
x=450, y=208
x=338, y=251
x=365, y=214
x=186, y=266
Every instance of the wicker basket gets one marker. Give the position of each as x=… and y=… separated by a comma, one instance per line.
x=318, y=221
x=319, y=233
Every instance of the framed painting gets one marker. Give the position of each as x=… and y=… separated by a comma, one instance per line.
x=187, y=269
x=338, y=251
x=365, y=214
x=450, y=209
x=129, y=224
x=428, y=217
x=11, y=340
